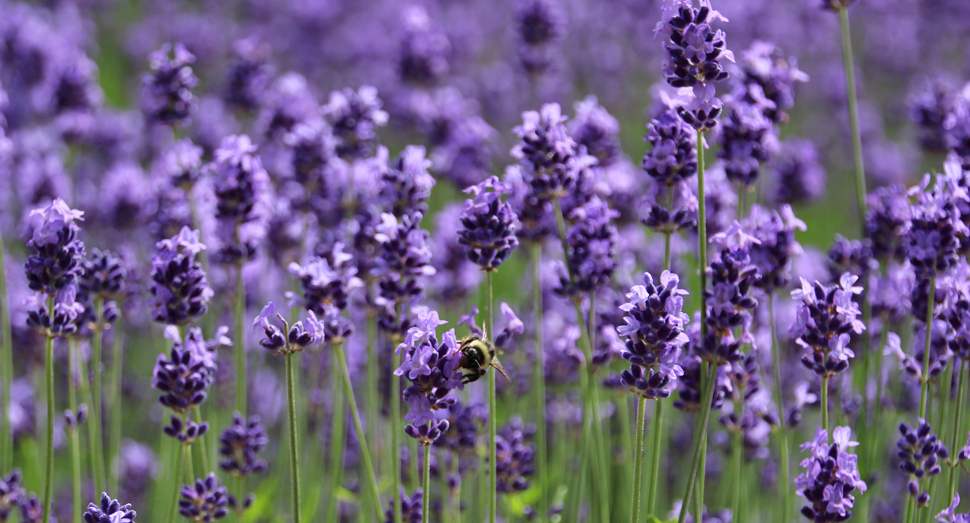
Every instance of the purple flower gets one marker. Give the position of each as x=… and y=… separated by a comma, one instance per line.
x=327, y=282
x=921, y=454
x=824, y=315
x=354, y=117
x=682, y=211
x=488, y=225
x=57, y=252
x=404, y=259
x=456, y=276
x=186, y=373
x=549, y=155
x=654, y=332
x=249, y=73
x=167, y=91
x=831, y=477
x=673, y=157
x=769, y=79
x=931, y=104
x=795, y=174
x=888, y=214
x=747, y=141
x=514, y=457
x=540, y=24
x=597, y=131
x=297, y=336
x=179, y=290
x=239, y=445
x=935, y=227
x=775, y=231
x=109, y=511
x=424, y=49
x=206, y=500
x=590, y=249
x=241, y=188
x=949, y=514
x=411, y=509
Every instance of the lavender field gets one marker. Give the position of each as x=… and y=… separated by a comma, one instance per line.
x=481, y=261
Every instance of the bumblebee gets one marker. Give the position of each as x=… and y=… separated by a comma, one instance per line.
x=477, y=355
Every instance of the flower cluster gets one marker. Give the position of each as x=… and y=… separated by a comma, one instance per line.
x=935, y=226
x=488, y=225
x=831, y=476
x=597, y=131
x=11, y=494
x=747, y=141
x=249, y=73
x=540, y=24
x=63, y=320
x=103, y=278
x=693, y=51
x=921, y=454
x=670, y=209
x=553, y=165
x=411, y=507
x=327, y=282
x=888, y=214
x=776, y=247
x=167, y=91
x=513, y=457
x=354, y=117
x=729, y=300
x=404, y=259
x=796, y=174
x=673, y=154
x=109, y=511
x=239, y=445
x=240, y=185
x=204, y=501
x=827, y=316
x=406, y=185
x=851, y=256
x=56, y=260
x=291, y=338
x=432, y=368
x=654, y=331
x=180, y=290
x=186, y=373
x=590, y=249
x=769, y=79
x=424, y=51
x=950, y=516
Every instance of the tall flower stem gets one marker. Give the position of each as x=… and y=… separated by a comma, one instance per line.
x=94, y=432
x=638, y=462
x=587, y=379
x=294, y=444
x=737, y=441
x=860, y=176
x=6, y=365
x=961, y=393
x=492, y=405
x=539, y=382
x=779, y=402
x=338, y=435
x=240, y=309
x=177, y=484
x=700, y=440
x=72, y=431
x=372, y=399
x=359, y=427
x=925, y=381
x=49, y=456
x=114, y=401
x=426, y=489
x=97, y=337
x=825, y=403
x=396, y=430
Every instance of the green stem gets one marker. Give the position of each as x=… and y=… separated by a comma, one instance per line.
x=72, y=431
x=294, y=445
x=373, y=390
x=779, y=402
x=655, y=460
x=396, y=430
x=492, y=406
x=539, y=383
x=426, y=492
x=114, y=401
x=638, y=463
x=359, y=427
x=49, y=456
x=699, y=441
x=338, y=435
x=96, y=388
x=6, y=366
x=924, y=388
x=240, y=344
x=738, y=442
x=961, y=392
x=701, y=458
x=176, y=481
x=860, y=177
x=94, y=433
x=825, y=404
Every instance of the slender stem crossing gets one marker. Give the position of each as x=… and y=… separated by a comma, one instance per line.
x=492, y=405
x=860, y=176
x=294, y=448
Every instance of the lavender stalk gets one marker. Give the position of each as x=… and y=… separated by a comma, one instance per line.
x=539, y=381
x=6, y=362
x=860, y=176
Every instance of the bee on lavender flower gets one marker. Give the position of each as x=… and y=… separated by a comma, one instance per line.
x=478, y=353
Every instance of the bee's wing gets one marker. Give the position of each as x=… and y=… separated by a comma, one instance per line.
x=498, y=366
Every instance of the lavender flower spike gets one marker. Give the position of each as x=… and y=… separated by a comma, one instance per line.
x=831, y=477
x=489, y=225
x=180, y=291
x=109, y=511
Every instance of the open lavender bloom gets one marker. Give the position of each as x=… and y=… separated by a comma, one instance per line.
x=180, y=291
x=553, y=164
x=921, y=454
x=411, y=509
x=597, y=130
x=204, y=501
x=831, y=476
x=488, y=225
x=180, y=165
x=514, y=457
x=327, y=282
x=775, y=231
x=654, y=333
x=935, y=228
x=63, y=320
x=109, y=511
x=950, y=516
x=11, y=494
x=681, y=214
x=424, y=49
x=590, y=249
x=827, y=316
x=240, y=184
x=104, y=278
x=852, y=256
x=930, y=105
x=751, y=419
x=673, y=154
x=888, y=213
x=693, y=51
x=404, y=259
x=406, y=185
x=239, y=445
x=249, y=73
x=167, y=91
x=748, y=141
x=796, y=174
x=186, y=373
x=57, y=252
x=769, y=79
x=291, y=338
x=729, y=301
x=354, y=117
x=432, y=368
